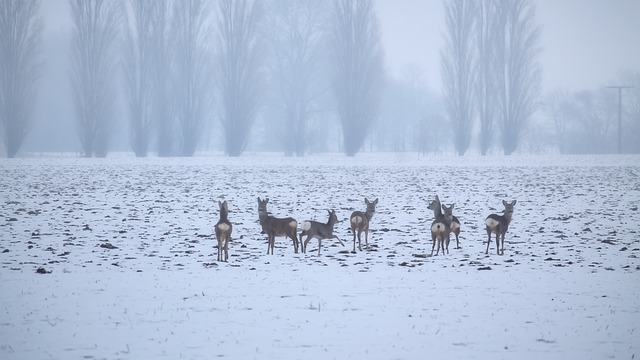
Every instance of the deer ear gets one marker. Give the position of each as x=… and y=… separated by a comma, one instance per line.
x=259, y=199
x=375, y=202
x=514, y=203
x=366, y=201
x=504, y=203
x=452, y=206
x=437, y=198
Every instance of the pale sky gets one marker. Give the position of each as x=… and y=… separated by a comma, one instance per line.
x=584, y=42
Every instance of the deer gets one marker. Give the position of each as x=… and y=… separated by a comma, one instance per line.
x=499, y=224
x=276, y=227
x=320, y=231
x=360, y=222
x=439, y=228
x=223, y=230
x=453, y=222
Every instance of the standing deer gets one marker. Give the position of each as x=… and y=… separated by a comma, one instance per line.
x=276, y=227
x=439, y=228
x=360, y=222
x=223, y=231
x=453, y=222
x=320, y=231
x=499, y=224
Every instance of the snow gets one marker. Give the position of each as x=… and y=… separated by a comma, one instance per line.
x=567, y=285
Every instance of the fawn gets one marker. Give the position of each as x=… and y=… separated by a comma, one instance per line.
x=223, y=231
x=276, y=227
x=360, y=222
x=499, y=224
x=439, y=228
x=320, y=231
x=453, y=222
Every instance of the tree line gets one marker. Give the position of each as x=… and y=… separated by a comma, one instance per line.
x=311, y=72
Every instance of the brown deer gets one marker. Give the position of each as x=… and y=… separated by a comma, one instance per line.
x=276, y=227
x=439, y=228
x=223, y=231
x=499, y=224
x=320, y=231
x=453, y=222
x=360, y=222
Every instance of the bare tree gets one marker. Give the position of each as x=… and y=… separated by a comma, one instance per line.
x=192, y=76
x=631, y=106
x=357, y=69
x=240, y=69
x=138, y=69
x=518, y=68
x=457, y=67
x=560, y=108
x=597, y=116
x=296, y=30
x=485, y=90
x=20, y=36
x=95, y=35
x=162, y=109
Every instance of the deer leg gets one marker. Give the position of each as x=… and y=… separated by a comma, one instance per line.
x=502, y=244
x=354, y=240
x=366, y=236
x=272, y=243
x=447, y=243
x=498, y=243
x=268, y=243
x=359, y=240
x=304, y=246
x=433, y=246
x=226, y=249
x=488, y=241
x=458, y=240
x=319, y=246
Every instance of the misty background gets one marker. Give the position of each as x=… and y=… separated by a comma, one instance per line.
x=172, y=77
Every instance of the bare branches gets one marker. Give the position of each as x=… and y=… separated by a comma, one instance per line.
x=95, y=32
x=297, y=30
x=519, y=82
x=357, y=69
x=138, y=69
x=458, y=70
x=20, y=36
x=240, y=73
x=192, y=76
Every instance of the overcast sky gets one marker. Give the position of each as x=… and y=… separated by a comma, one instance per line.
x=585, y=42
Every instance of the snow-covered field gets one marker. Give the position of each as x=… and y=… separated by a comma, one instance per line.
x=114, y=259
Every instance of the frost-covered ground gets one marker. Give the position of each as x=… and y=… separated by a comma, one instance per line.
x=126, y=249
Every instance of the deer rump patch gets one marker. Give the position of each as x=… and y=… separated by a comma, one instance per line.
x=491, y=223
x=306, y=226
x=223, y=227
x=438, y=227
x=357, y=220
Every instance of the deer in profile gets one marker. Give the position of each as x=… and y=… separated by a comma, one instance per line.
x=453, y=223
x=360, y=222
x=320, y=231
x=223, y=230
x=276, y=227
x=439, y=228
x=499, y=224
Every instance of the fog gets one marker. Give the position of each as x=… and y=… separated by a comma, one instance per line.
x=584, y=45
